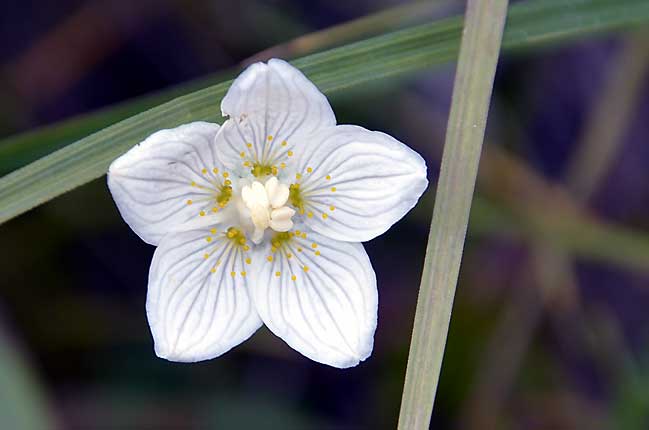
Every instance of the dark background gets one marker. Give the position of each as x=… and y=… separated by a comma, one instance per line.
x=551, y=322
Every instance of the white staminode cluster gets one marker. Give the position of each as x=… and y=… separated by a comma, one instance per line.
x=259, y=221
x=267, y=206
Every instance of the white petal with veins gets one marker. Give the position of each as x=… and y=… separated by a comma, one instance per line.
x=322, y=301
x=196, y=309
x=361, y=182
x=152, y=182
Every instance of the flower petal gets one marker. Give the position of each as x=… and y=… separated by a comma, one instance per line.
x=197, y=309
x=319, y=295
x=356, y=183
x=268, y=104
x=166, y=180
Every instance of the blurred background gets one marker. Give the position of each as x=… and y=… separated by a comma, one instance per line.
x=551, y=321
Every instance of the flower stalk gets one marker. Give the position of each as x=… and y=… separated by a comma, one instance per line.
x=480, y=46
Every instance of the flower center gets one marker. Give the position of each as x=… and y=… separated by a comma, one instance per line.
x=266, y=204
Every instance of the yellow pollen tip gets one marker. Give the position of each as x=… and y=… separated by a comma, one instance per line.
x=278, y=274
x=314, y=245
x=246, y=164
x=189, y=202
x=317, y=253
x=301, y=211
x=202, y=213
x=303, y=235
x=299, y=250
x=206, y=256
x=246, y=248
x=298, y=176
x=305, y=268
x=328, y=177
x=242, y=154
x=289, y=255
x=249, y=145
x=193, y=184
x=204, y=171
x=243, y=273
x=209, y=239
x=333, y=189
x=325, y=216
x=248, y=260
x=282, y=165
x=213, y=270
x=298, y=232
x=215, y=209
x=226, y=174
x=269, y=258
x=309, y=170
x=233, y=274
x=284, y=143
x=270, y=138
x=227, y=182
x=332, y=208
x=293, y=277
x=213, y=230
x=290, y=153
x=215, y=170
x=310, y=214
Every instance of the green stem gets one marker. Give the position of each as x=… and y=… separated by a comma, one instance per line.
x=483, y=28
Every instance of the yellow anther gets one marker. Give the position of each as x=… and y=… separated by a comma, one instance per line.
x=215, y=209
x=204, y=171
x=206, y=256
x=249, y=145
x=215, y=170
x=270, y=138
x=278, y=274
x=227, y=182
x=299, y=250
x=310, y=214
x=298, y=232
x=333, y=189
x=233, y=274
x=247, y=164
x=317, y=253
x=298, y=176
x=293, y=277
x=305, y=268
x=332, y=208
x=209, y=239
x=282, y=165
x=284, y=143
x=213, y=270
x=231, y=233
x=269, y=258
x=246, y=248
x=309, y=170
x=242, y=154
x=243, y=273
x=213, y=230
x=218, y=262
x=289, y=255
x=314, y=245
x=274, y=170
x=189, y=202
x=226, y=174
x=325, y=216
x=248, y=260
x=301, y=211
x=328, y=177
x=242, y=240
x=193, y=184
x=202, y=213
x=273, y=249
x=303, y=235
x=289, y=153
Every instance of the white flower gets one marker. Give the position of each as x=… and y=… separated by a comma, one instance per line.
x=259, y=221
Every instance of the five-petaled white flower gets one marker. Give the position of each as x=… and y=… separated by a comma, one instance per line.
x=259, y=221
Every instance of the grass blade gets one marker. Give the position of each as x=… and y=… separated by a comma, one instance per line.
x=484, y=23
x=398, y=53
